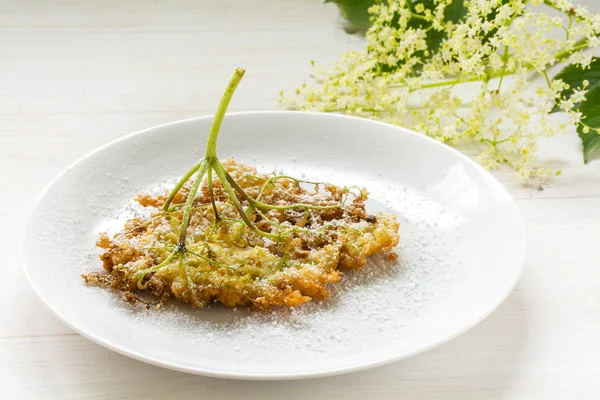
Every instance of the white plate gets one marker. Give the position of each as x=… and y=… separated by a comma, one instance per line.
x=461, y=250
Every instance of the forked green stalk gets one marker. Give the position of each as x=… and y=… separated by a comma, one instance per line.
x=211, y=164
x=203, y=167
x=187, y=211
x=206, y=167
x=258, y=204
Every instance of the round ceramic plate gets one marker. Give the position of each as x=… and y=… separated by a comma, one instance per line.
x=449, y=275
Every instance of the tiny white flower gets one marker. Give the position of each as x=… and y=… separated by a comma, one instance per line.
x=578, y=95
x=566, y=105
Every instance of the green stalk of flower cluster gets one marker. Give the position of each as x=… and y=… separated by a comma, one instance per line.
x=206, y=167
x=209, y=164
x=560, y=56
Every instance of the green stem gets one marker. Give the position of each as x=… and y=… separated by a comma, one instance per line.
x=213, y=133
x=140, y=274
x=371, y=110
x=185, y=220
x=579, y=45
x=180, y=184
x=418, y=16
x=505, y=59
x=496, y=142
x=206, y=259
x=188, y=275
x=275, y=178
x=265, y=206
x=545, y=75
x=212, y=194
x=552, y=4
x=453, y=81
x=591, y=128
x=569, y=28
x=220, y=171
x=209, y=162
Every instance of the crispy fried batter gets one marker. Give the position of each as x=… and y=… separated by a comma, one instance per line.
x=230, y=263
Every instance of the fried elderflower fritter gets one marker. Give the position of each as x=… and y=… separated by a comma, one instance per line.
x=227, y=261
x=230, y=234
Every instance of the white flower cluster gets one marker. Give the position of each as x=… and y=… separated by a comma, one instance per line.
x=406, y=77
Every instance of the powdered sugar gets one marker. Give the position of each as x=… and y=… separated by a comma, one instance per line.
x=365, y=307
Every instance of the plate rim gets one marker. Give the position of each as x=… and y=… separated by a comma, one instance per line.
x=361, y=366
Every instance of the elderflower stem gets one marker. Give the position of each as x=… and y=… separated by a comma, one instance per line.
x=545, y=75
x=139, y=275
x=418, y=16
x=570, y=26
x=180, y=184
x=212, y=194
x=504, y=61
x=579, y=45
x=208, y=163
x=455, y=81
x=438, y=84
x=552, y=4
x=221, y=173
x=213, y=134
x=211, y=147
x=259, y=204
x=190, y=201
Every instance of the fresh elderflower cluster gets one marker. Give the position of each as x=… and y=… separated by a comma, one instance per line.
x=418, y=61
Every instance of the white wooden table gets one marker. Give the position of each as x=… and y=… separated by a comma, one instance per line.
x=78, y=74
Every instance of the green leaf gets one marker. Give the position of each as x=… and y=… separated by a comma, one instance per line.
x=574, y=76
x=356, y=12
x=590, y=111
x=590, y=108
